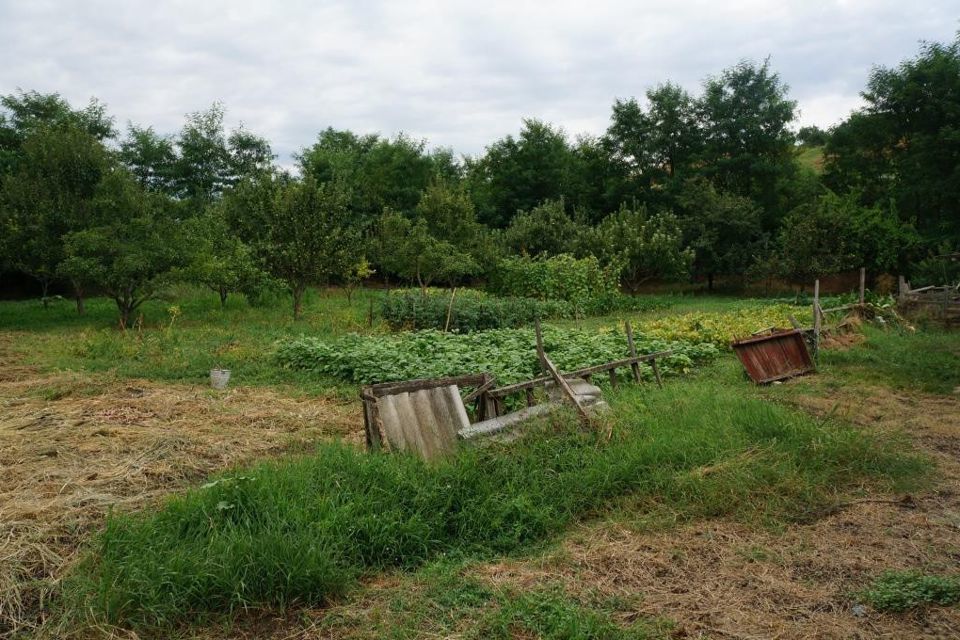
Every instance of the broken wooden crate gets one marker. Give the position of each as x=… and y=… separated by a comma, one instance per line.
x=428, y=416
x=778, y=355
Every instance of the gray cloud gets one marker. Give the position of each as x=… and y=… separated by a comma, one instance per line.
x=460, y=74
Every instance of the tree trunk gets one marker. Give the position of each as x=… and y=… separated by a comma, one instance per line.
x=126, y=308
x=423, y=287
x=709, y=282
x=297, y=301
x=349, y=295
x=223, y=296
x=78, y=296
x=44, y=288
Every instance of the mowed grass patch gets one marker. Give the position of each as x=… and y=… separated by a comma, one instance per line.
x=441, y=601
x=182, y=337
x=303, y=531
x=927, y=361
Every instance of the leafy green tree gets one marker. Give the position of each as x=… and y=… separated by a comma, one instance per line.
x=517, y=174
x=355, y=274
x=219, y=259
x=136, y=248
x=629, y=136
x=380, y=173
x=904, y=144
x=599, y=182
x=449, y=214
x=836, y=233
x=27, y=111
x=49, y=196
x=722, y=229
x=209, y=159
x=409, y=250
x=546, y=229
x=151, y=158
x=640, y=246
x=299, y=229
x=748, y=148
x=675, y=130
x=812, y=136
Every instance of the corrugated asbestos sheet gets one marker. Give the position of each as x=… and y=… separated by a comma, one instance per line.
x=423, y=422
x=774, y=357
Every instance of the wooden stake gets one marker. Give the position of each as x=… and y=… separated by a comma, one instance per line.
x=453, y=294
x=541, y=356
x=863, y=284
x=656, y=373
x=817, y=318
x=565, y=388
x=633, y=351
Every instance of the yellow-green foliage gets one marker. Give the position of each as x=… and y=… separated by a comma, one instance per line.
x=723, y=327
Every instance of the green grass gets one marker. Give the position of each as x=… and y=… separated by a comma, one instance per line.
x=184, y=345
x=927, y=361
x=899, y=591
x=811, y=158
x=441, y=601
x=437, y=601
x=304, y=530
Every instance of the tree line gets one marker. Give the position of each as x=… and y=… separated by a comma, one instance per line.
x=707, y=185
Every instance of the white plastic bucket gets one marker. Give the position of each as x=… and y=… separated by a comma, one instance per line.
x=219, y=378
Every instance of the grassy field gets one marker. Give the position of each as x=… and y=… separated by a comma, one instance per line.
x=388, y=546
x=304, y=530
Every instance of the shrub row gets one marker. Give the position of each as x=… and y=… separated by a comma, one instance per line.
x=471, y=310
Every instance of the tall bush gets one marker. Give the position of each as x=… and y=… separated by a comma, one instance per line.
x=582, y=282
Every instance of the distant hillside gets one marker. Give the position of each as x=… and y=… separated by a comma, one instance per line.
x=811, y=157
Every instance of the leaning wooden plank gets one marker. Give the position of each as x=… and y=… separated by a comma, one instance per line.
x=565, y=387
x=476, y=393
x=493, y=425
x=506, y=390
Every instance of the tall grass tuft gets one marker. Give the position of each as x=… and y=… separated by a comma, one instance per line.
x=304, y=530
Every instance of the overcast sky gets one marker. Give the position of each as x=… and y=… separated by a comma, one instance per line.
x=460, y=74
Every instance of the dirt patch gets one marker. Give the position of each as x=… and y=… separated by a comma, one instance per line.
x=73, y=446
x=728, y=580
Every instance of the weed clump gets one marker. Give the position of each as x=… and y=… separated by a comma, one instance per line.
x=899, y=591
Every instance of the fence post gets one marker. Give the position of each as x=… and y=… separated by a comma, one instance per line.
x=634, y=366
x=541, y=356
x=817, y=318
x=863, y=283
x=901, y=288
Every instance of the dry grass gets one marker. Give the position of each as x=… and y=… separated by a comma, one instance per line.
x=73, y=446
x=728, y=580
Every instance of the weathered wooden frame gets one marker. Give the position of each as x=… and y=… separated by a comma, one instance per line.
x=489, y=399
